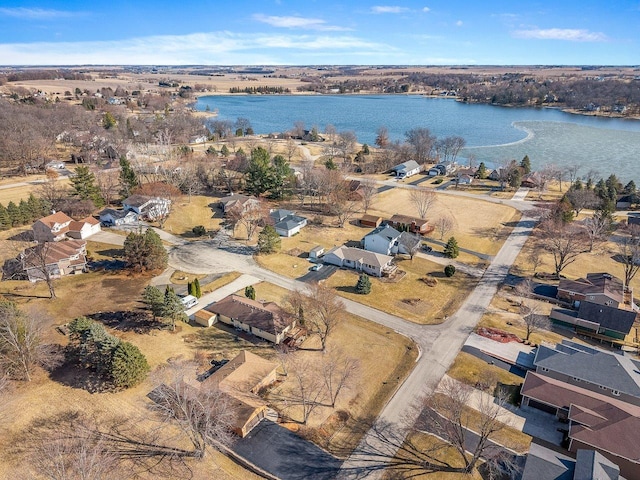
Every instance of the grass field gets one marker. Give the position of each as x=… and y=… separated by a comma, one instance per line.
x=188, y=214
x=410, y=297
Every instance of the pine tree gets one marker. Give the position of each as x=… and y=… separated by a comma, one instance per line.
x=14, y=214
x=191, y=289
x=525, y=164
x=196, y=283
x=224, y=151
x=451, y=249
x=250, y=292
x=25, y=212
x=363, y=287
x=128, y=178
x=84, y=186
x=482, y=171
x=173, y=308
x=269, y=240
x=129, y=366
x=154, y=298
x=5, y=218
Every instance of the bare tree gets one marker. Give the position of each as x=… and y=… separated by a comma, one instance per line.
x=629, y=254
x=250, y=215
x=564, y=241
x=52, y=190
x=572, y=172
x=346, y=143
x=204, y=414
x=447, y=416
x=308, y=387
x=330, y=132
x=290, y=148
x=368, y=191
x=534, y=257
x=581, y=199
x=533, y=321
x=422, y=200
x=38, y=260
x=342, y=203
x=108, y=184
x=21, y=343
x=321, y=308
x=382, y=137
x=444, y=224
x=338, y=372
x=422, y=143
x=596, y=227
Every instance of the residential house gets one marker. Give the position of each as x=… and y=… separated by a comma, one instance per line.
x=148, y=208
x=600, y=288
x=496, y=174
x=595, y=421
x=603, y=322
x=265, y=320
x=611, y=374
x=111, y=217
x=240, y=380
x=286, y=222
x=237, y=201
x=406, y=169
x=370, y=220
x=372, y=263
x=59, y=226
x=59, y=258
x=545, y=464
x=410, y=224
x=440, y=169
x=532, y=180
x=464, y=179
x=388, y=241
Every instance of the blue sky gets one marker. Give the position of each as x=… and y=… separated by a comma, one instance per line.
x=282, y=32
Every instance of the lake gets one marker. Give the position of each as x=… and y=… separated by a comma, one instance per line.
x=492, y=134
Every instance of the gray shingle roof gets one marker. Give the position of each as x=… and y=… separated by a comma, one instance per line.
x=409, y=165
x=545, y=464
x=611, y=318
x=611, y=370
x=591, y=465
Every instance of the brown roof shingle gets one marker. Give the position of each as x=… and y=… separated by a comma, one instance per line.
x=267, y=317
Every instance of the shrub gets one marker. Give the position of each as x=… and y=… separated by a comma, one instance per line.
x=199, y=230
x=250, y=292
x=449, y=270
x=129, y=366
x=437, y=181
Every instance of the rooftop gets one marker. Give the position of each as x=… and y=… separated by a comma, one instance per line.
x=267, y=317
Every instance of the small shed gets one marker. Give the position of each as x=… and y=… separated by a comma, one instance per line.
x=370, y=221
x=315, y=253
x=205, y=318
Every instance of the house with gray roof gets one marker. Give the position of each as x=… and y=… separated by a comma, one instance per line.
x=545, y=464
x=372, y=263
x=599, y=321
x=608, y=373
x=406, y=169
x=601, y=288
x=386, y=240
x=286, y=222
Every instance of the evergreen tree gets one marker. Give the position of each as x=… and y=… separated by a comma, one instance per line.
x=450, y=270
x=173, y=309
x=108, y=120
x=196, y=284
x=5, y=218
x=250, y=292
x=145, y=251
x=451, y=249
x=630, y=188
x=154, y=298
x=525, y=165
x=269, y=240
x=260, y=174
x=25, y=212
x=84, y=186
x=363, y=287
x=224, y=151
x=515, y=177
x=15, y=214
x=129, y=366
x=482, y=171
x=282, y=174
x=191, y=289
x=128, y=178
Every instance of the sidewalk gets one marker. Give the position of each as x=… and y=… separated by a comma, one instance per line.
x=520, y=194
x=513, y=352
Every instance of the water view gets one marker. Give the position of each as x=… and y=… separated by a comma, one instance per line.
x=492, y=133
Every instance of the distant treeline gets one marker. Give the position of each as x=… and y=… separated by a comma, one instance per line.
x=259, y=90
x=23, y=75
x=606, y=94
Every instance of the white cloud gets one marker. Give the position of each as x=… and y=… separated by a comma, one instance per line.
x=295, y=22
x=36, y=13
x=426, y=9
x=389, y=9
x=459, y=23
x=568, y=34
x=222, y=48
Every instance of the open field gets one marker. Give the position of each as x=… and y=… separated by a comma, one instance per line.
x=410, y=298
x=187, y=214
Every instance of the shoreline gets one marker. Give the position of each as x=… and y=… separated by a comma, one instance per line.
x=572, y=111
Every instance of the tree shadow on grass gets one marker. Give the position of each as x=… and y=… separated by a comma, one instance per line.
x=137, y=321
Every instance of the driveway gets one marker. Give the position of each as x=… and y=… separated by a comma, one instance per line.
x=285, y=455
x=325, y=272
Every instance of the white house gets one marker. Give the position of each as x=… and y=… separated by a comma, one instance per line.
x=360, y=260
x=286, y=222
x=406, y=169
x=386, y=240
x=84, y=228
x=465, y=179
x=150, y=208
x=112, y=217
x=59, y=226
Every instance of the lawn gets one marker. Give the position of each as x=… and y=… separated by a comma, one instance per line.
x=375, y=383
x=470, y=369
x=187, y=214
x=410, y=298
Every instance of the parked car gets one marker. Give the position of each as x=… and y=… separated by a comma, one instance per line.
x=427, y=248
x=317, y=267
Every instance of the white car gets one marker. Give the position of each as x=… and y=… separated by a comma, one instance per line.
x=317, y=267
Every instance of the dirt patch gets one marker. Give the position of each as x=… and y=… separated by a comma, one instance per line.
x=498, y=335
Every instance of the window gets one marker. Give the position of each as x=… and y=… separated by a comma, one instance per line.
x=576, y=379
x=616, y=393
x=544, y=369
x=602, y=388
